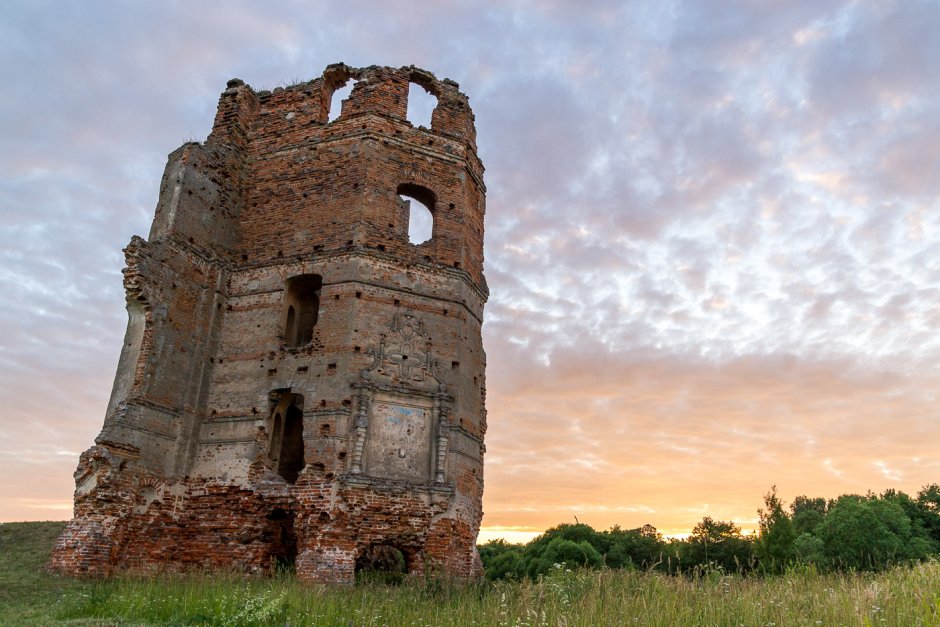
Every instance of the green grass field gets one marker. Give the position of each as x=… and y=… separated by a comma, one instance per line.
x=30, y=596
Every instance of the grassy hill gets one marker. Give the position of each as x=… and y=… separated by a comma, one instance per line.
x=31, y=596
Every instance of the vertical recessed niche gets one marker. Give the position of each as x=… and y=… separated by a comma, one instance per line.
x=286, y=429
x=301, y=308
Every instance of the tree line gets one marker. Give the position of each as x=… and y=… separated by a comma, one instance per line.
x=851, y=532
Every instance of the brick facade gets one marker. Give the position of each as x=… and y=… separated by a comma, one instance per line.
x=298, y=381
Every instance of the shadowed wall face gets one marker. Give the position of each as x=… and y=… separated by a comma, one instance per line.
x=300, y=382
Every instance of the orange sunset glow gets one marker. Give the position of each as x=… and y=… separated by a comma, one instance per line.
x=712, y=234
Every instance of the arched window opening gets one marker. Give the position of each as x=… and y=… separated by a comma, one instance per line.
x=421, y=105
x=419, y=206
x=286, y=446
x=301, y=308
x=381, y=564
x=336, y=100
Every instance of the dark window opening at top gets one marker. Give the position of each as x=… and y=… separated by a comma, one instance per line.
x=302, y=307
x=336, y=100
x=420, y=203
x=421, y=105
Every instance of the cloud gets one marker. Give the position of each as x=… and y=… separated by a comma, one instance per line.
x=711, y=232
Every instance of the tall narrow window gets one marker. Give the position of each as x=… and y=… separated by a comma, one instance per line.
x=302, y=306
x=286, y=445
x=420, y=205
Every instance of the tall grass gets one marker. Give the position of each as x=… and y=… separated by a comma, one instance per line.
x=901, y=596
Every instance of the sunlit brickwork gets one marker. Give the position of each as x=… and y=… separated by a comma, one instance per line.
x=300, y=383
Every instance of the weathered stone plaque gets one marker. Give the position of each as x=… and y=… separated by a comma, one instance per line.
x=399, y=441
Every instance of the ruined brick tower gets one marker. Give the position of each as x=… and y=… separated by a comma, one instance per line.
x=298, y=382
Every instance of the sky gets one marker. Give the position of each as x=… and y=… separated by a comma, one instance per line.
x=712, y=233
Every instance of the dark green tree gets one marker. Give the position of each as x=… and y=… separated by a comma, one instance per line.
x=808, y=549
x=929, y=501
x=502, y=560
x=717, y=543
x=774, y=544
x=807, y=513
x=861, y=533
x=634, y=548
x=573, y=554
x=539, y=559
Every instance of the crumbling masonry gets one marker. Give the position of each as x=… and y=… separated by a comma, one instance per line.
x=299, y=383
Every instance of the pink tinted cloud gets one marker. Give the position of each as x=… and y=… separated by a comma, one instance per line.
x=709, y=235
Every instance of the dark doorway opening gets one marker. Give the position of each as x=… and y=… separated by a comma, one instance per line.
x=381, y=564
x=280, y=533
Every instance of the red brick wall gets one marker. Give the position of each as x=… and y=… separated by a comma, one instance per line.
x=181, y=474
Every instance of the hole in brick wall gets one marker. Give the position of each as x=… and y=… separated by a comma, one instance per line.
x=280, y=530
x=358, y=294
x=455, y=364
x=319, y=467
x=342, y=455
x=347, y=402
x=397, y=303
x=356, y=349
x=456, y=264
x=421, y=105
x=381, y=247
x=419, y=202
x=325, y=429
x=336, y=100
x=302, y=368
x=331, y=366
x=381, y=564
